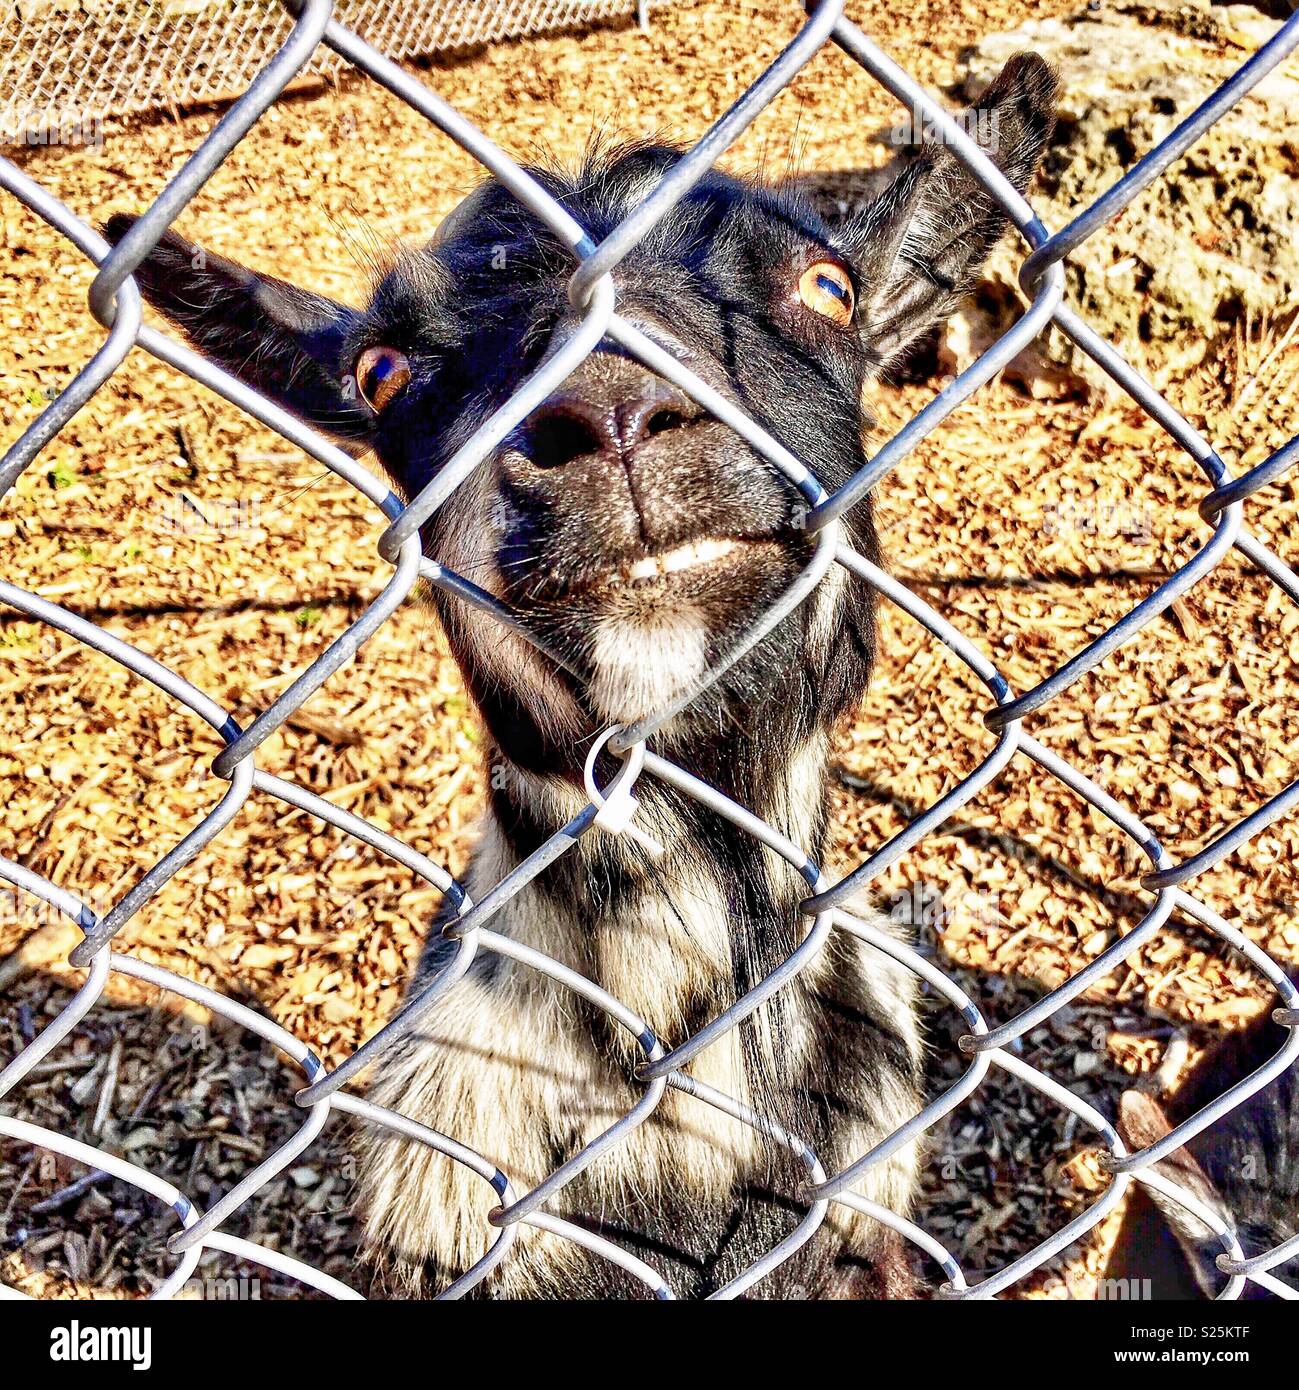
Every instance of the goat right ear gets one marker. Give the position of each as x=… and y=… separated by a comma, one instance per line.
x=1142, y=1122
x=285, y=342
x=920, y=245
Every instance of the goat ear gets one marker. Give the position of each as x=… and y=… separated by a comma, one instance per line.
x=1141, y=1123
x=282, y=340
x=919, y=246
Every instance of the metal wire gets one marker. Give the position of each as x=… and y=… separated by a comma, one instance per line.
x=66, y=68
x=115, y=301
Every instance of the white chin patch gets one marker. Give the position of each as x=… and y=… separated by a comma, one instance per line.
x=642, y=662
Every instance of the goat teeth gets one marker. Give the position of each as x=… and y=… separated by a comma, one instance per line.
x=684, y=557
x=695, y=553
x=644, y=569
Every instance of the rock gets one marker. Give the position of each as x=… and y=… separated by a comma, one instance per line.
x=1215, y=238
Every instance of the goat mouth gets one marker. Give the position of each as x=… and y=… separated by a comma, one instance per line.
x=707, y=569
x=708, y=552
x=698, y=568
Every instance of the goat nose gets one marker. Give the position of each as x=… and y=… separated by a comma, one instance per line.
x=571, y=425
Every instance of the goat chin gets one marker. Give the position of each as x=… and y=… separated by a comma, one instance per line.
x=641, y=663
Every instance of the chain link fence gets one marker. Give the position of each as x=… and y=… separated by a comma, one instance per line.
x=65, y=62
x=115, y=301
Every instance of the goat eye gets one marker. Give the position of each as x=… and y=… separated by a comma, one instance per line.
x=380, y=373
x=824, y=287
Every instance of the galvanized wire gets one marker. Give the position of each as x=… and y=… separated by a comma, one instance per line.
x=115, y=301
x=67, y=67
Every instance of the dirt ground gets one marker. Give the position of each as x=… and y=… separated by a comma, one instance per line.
x=211, y=544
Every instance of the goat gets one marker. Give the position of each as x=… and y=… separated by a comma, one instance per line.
x=1245, y=1167
x=640, y=537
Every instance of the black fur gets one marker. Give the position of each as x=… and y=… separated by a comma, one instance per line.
x=1246, y=1166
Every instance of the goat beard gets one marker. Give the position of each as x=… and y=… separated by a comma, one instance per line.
x=640, y=649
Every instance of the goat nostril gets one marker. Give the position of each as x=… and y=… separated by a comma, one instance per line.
x=664, y=420
x=572, y=426
x=557, y=439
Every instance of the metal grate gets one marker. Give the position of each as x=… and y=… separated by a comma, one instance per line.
x=115, y=301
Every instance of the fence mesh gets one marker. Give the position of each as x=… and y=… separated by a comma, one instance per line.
x=62, y=60
x=115, y=301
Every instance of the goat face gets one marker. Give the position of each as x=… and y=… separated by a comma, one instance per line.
x=632, y=530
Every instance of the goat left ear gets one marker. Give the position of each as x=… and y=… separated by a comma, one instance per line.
x=283, y=340
x=919, y=246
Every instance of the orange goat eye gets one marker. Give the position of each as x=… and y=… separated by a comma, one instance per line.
x=824, y=287
x=380, y=373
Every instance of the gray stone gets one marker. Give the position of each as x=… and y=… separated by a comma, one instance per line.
x=1214, y=238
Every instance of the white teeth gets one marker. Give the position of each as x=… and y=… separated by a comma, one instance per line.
x=684, y=557
x=696, y=553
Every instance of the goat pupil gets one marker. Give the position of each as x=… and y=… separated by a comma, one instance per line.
x=833, y=287
x=381, y=370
